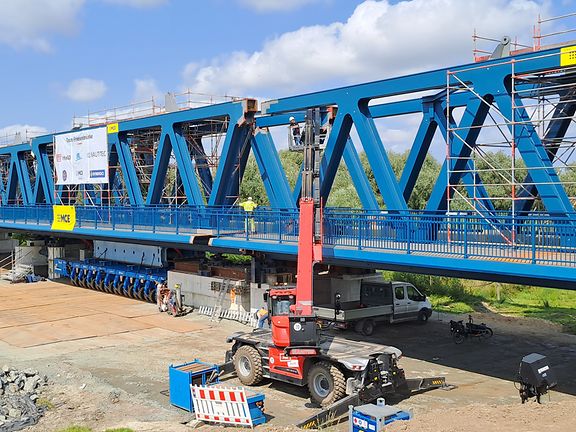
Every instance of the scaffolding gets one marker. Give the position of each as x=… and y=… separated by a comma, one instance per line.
x=492, y=177
x=203, y=138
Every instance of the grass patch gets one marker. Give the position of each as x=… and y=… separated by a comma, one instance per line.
x=463, y=296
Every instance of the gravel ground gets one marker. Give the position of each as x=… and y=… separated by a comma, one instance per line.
x=120, y=379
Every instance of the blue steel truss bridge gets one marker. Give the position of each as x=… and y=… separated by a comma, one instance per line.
x=174, y=173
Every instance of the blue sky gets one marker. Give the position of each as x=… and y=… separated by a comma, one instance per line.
x=66, y=57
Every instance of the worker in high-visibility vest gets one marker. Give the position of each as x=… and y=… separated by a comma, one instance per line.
x=249, y=206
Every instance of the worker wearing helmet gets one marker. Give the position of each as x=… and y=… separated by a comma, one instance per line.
x=249, y=206
x=294, y=134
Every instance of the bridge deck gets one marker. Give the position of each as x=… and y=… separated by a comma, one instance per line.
x=538, y=247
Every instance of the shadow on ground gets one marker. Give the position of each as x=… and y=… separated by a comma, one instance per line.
x=498, y=357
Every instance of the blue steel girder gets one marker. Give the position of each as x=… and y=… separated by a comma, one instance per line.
x=18, y=175
x=273, y=176
x=201, y=162
x=233, y=159
x=353, y=100
x=555, y=133
x=460, y=148
x=359, y=177
x=534, y=154
x=172, y=141
x=120, y=155
x=172, y=138
x=417, y=154
x=44, y=187
x=471, y=179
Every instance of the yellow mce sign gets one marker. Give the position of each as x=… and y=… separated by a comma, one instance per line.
x=568, y=56
x=64, y=218
x=112, y=128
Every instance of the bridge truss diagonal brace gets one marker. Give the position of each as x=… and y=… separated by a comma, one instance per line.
x=44, y=187
x=461, y=147
x=533, y=152
x=556, y=131
x=378, y=159
x=472, y=180
x=123, y=155
x=333, y=153
x=233, y=159
x=359, y=177
x=18, y=175
x=271, y=172
x=417, y=154
x=172, y=141
x=201, y=162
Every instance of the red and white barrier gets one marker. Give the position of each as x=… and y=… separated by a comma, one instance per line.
x=221, y=405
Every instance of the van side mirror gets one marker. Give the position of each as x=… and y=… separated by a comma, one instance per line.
x=265, y=297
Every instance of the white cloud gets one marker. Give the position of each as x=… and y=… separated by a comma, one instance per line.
x=17, y=133
x=86, y=90
x=378, y=40
x=28, y=23
x=276, y=5
x=138, y=3
x=146, y=89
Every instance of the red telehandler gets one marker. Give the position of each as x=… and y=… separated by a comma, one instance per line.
x=294, y=350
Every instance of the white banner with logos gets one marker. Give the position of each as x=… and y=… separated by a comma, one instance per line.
x=81, y=157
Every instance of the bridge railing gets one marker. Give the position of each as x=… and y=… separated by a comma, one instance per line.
x=536, y=238
x=532, y=239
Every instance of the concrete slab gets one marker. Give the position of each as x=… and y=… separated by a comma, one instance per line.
x=73, y=318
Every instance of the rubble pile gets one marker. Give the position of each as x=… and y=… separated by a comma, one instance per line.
x=18, y=395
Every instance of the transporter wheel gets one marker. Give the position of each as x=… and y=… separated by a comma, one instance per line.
x=248, y=365
x=140, y=293
x=487, y=333
x=326, y=383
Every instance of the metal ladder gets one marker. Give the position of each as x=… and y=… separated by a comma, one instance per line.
x=220, y=300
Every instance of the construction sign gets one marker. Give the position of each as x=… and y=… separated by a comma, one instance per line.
x=64, y=218
x=81, y=157
x=221, y=405
x=568, y=56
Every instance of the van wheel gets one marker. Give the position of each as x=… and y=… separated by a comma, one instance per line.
x=248, y=365
x=365, y=327
x=326, y=383
x=368, y=327
x=422, y=317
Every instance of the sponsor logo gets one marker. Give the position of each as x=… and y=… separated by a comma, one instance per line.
x=97, y=173
x=58, y=157
x=64, y=175
x=78, y=156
